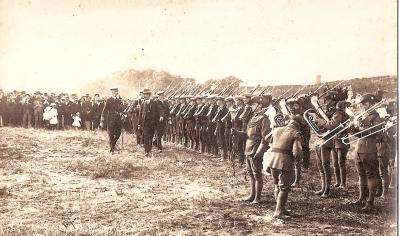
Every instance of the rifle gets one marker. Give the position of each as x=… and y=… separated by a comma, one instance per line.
x=280, y=97
x=251, y=93
x=298, y=91
x=332, y=88
x=226, y=88
x=217, y=86
x=263, y=91
x=178, y=90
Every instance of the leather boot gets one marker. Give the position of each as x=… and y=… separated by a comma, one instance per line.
x=297, y=172
x=363, y=190
x=379, y=188
x=280, y=209
x=368, y=206
x=372, y=184
x=250, y=198
x=342, y=177
x=337, y=177
x=385, y=185
x=319, y=192
x=327, y=189
x=258, y=188
x=276, y=193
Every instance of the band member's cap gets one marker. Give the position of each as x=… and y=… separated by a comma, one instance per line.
x=371, y=98
x=257, y=99
x=291, y=101
x=146, y=91
x=229, y=99
x=96, y=94
x=114, y=89
x=220, y=98
x=160, y=93
x=247, y=95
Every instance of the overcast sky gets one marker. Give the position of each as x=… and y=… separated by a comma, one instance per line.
x=58, y=45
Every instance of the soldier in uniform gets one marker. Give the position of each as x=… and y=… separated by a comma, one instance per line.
x=202, y=118
x=324, y=151
x=339, y=151
x=258, y=127
x=247, y=112
x=212, y=148
x=366, y=154
x=150, y=116
x=220, y=127
x=174, y=121
x=285, y=148
x=238, y=142
x=181, y=122
x=296, y=109
x=200, y=101
x=190, y=122
x=112, y=112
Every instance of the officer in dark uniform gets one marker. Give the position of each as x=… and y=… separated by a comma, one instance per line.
x=150, y=115
x=112, y=112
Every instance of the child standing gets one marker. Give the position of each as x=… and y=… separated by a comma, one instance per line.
x=77, y=121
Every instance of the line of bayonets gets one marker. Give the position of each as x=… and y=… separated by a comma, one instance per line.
x=188, y=88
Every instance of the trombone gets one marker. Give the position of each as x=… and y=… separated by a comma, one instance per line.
x=346, y=140
x=330, y=134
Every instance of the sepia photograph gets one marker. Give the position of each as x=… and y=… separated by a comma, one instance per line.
x=198, y=117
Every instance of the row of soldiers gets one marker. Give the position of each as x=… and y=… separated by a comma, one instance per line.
x=244, y=128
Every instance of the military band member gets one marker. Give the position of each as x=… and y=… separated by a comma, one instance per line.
x=174, y=120
x=339, y=151
x=286, y=148
x=366, y=154
x=112, y=113
x=323, y=152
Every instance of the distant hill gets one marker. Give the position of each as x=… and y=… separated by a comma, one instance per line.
x=130, y=82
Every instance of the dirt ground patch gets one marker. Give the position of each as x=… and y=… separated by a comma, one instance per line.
x=66, y=183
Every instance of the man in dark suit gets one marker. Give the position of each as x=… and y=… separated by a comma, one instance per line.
x=150, y=116
x=112, y=110
x=95, y=112
x=162, y=124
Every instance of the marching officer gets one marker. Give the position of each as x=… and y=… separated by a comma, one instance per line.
x=285, y=149
x=112, y=112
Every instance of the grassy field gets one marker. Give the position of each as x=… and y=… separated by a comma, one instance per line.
x=66, y=183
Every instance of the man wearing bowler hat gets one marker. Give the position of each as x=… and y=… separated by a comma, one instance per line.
x=112, y=112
